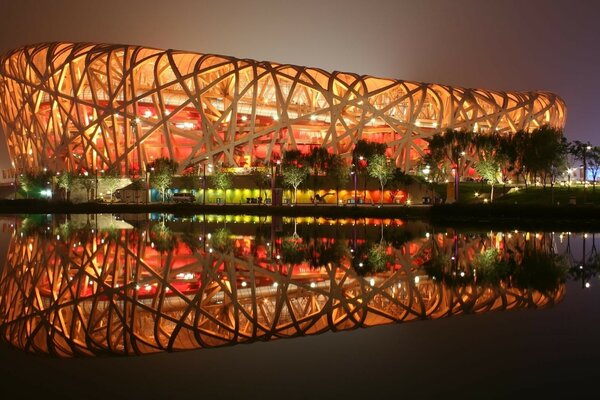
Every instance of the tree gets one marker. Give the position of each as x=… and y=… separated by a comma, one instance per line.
x=339, y=171
x=580, y=152
x=545, y=153
x=221, y=180
x=399, y=181
x=161, y=175
x=363, y=151
x=111, y=180
x=434, y=168
x=294, y=175
x=380, y=168
x=87, y=183
x=594, y=164
x=65, y=181
x=450, y=146
x=262, y=178
x=489, y=170
x=34, y=183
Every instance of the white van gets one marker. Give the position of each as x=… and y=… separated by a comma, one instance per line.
x=181, y=197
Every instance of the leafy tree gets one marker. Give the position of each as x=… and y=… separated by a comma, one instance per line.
x=545, y=152
x=489, y=170
x=222, y=180
x=111, y=180
x=450, y=146
x=434, y=168
x=294, y=157
x=294, y=175
x=34, y=183
x=594, y=164
x=161, y=175
x=86, y=182
x=363, y=151
x=66, y=181
x=381, y=169
x=398, y=182
x=262, y=178
x=318, y=161
x=339, y=171
x=580, y=151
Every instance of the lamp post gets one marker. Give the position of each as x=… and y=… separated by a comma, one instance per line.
x=585, y=150
x=96, y=188
x=16, y=172
x=148, y=171
x=203, y=166
x=353, y=172
x=457, y=175
x=426, y=172
x=360, y=158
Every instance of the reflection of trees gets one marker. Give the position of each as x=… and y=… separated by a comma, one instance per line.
x=221, y=240
x=120, y=295
x=540, y=271
x=292, y=251
x=163, y=238
x=532, y=269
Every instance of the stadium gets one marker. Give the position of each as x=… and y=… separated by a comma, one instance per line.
x=87, y=107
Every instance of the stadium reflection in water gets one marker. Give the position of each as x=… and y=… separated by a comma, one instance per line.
x=90, y=285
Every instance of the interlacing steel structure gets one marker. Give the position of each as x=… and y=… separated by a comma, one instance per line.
x=133, y=292
x=90, y=107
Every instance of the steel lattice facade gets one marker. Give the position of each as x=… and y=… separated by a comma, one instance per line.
x=80, y=106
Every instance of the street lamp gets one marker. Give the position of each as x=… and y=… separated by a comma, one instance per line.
x=149, y=197
x=426, y=172
x=353, y=172
x=202, y=163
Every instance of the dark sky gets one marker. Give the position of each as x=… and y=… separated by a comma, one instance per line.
x=505, y=45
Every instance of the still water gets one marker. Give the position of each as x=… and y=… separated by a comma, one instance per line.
x=462, y=309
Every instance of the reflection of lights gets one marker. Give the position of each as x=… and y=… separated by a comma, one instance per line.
x=417, y=279
x=244, y=284
x=372, y=282
x=313, y=285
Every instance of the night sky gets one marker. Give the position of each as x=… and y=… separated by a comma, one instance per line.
x=503, y=45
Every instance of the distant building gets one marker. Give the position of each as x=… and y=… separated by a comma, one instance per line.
x=81, y=106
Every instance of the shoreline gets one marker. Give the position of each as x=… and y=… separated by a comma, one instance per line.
x=506, y=215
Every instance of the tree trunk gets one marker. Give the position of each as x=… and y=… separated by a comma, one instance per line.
x=492, y=194
x=296, y=195
x=381, y=199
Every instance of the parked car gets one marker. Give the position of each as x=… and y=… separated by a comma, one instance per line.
x=184, y=197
